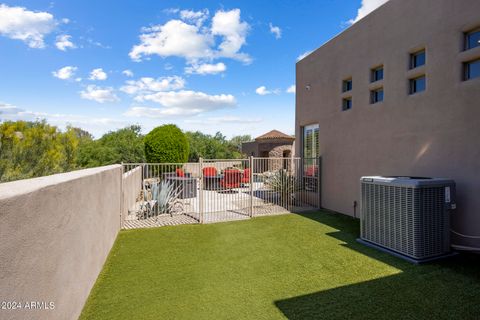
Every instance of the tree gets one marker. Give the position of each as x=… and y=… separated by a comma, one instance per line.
x=237, y=141
x=198, y=145
x=236, y=144
x=166, y=144
x=123, y=145
x=33, y=149
x=214, y=147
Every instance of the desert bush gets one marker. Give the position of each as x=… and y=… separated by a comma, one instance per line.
x=166, y=144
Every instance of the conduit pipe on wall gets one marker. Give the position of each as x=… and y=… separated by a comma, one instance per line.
x=465, y=248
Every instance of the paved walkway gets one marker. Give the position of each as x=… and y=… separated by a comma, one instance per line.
x=159, y=221
x=219, y=206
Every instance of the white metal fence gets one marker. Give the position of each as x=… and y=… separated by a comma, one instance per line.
x=222, y=190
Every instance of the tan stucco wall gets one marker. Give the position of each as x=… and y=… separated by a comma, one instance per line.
x=250, y=148
x=132, y=187
x=434, y=133
x=271, y=147
x=55, y=234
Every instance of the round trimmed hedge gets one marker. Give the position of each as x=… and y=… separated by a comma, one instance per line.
x=166, y=144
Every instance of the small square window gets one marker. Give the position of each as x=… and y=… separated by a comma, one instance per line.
x=418, y=84
x=471, y=69
x=347, y=85
x=417, y=59
x=347, y=104
x=376, y=96
x=377, y=74
x=472, y=39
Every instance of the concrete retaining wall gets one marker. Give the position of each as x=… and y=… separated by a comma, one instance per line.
x=55, y=234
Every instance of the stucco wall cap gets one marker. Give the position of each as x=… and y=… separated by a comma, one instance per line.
x=19, y=187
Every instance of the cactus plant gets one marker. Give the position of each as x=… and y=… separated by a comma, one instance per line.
x=284, y=184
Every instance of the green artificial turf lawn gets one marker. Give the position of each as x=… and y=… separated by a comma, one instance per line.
x=291, y=266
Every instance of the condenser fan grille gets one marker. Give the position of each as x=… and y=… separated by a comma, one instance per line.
x=411, y=220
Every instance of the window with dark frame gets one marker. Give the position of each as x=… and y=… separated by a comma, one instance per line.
x=472, y=39
x=417, y=59
x=377, y=74
x=347, y=104
x=310, y=141
x=347, y=85
x=376, y=96
x=471, y=70
x=418, y=84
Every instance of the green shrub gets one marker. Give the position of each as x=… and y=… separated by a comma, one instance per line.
x=165, y=144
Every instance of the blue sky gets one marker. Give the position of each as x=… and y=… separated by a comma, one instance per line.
x=209, y=66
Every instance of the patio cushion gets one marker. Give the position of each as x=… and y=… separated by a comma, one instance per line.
x=311, y=171
x=231, y=179
x=180, y=172
x=209, y=171
x=246, y=176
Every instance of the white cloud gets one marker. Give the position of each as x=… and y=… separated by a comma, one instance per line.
x=97, y=43
x=147, y=85
x=194, y=42
x=303, y=55
x=127, y=73
x=234, y=32
x=366, y=7
x=98, y=74
x=181, y=103
x=263, y=91
x=291, y=89
x=224, y=120
x=196, y=17
x=8, y=109
x=206, y=68
x=63, y=42
x=25, y=25
x=99, y=94
x=175, y=38
x=276, y=31
x=65, y=73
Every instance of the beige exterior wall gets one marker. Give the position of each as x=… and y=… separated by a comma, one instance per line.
x=434, y=133
x=55, y=234
x=132, y=187
x=273, y=148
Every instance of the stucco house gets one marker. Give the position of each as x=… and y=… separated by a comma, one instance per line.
x=397, y=93
x=273, y=144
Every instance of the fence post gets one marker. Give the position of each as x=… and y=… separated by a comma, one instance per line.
x=122, y=196
x=319, y=182
x=251, y=186
x=200, y=191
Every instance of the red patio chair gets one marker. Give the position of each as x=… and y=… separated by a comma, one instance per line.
x=311, y=171
x=246, y=176
x=180, y=172
x=209, y=171
x=231, y=179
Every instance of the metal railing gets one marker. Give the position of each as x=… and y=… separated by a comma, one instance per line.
x=213, y=190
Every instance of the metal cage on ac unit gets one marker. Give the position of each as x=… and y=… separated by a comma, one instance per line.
x=409, y=216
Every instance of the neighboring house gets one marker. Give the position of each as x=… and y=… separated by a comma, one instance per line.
x=397, y=93
x=273, y=144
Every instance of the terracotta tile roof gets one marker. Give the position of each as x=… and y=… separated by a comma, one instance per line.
x=274, y=134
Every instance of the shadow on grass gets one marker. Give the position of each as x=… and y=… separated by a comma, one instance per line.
x=446, y=289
